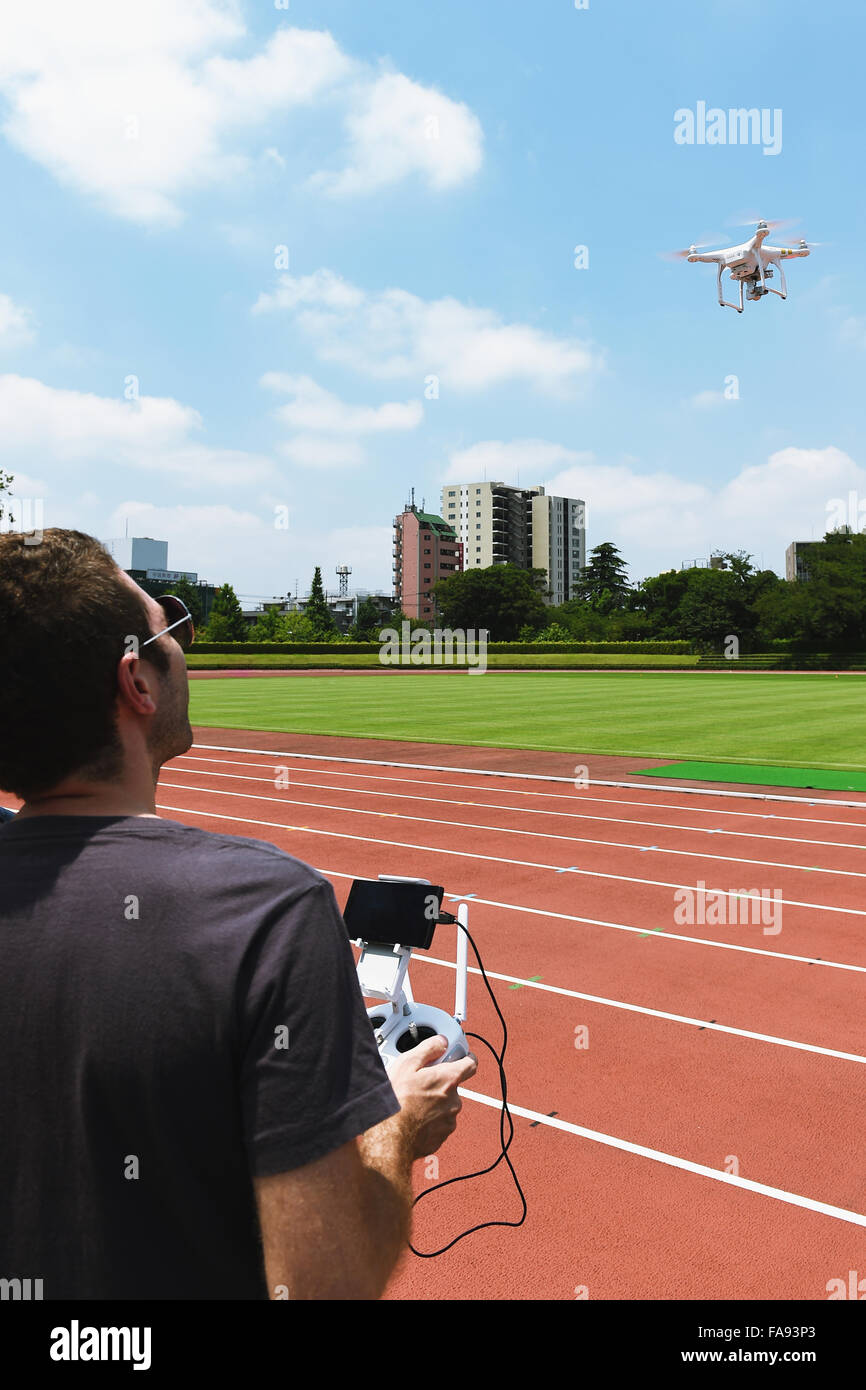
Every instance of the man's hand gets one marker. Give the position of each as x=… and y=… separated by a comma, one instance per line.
x=428, y=1093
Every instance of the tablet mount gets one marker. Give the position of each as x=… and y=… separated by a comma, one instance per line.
x=399, y=1023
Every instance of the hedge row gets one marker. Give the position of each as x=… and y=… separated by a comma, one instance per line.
x=555, y=661
x=494, y=648
x=790, y=661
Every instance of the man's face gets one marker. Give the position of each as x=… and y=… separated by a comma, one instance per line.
x=169, y=733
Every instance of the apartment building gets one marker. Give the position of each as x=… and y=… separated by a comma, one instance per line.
x=502, y=525
x=426, y=548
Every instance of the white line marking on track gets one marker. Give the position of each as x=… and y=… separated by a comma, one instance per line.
x=548, y=795
x=539, y=776
x=653, y=1013
x=855, y=1218
x=493, y=858
x=509, y=830
x=512, y=907
x=525, y=810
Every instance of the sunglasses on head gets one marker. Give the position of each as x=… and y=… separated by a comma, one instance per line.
x=179, y=621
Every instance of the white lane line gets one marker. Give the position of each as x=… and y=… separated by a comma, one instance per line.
x=621, y=926
x=547, y=795
x=524, y=811
x=541, y=776
x=539, y=835
x=855, y=1218
x=651, y=1013
x=490, y=859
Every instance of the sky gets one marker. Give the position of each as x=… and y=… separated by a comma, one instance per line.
x=264, y=268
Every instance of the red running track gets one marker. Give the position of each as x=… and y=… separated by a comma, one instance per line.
x=721, y=1083
x=687, y=1094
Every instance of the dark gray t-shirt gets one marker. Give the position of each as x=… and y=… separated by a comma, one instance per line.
x=178, y=1010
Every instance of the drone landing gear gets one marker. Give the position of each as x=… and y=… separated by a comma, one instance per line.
x=783, y=292
x=725, y=303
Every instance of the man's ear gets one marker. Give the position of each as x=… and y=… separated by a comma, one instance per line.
x=136, y=680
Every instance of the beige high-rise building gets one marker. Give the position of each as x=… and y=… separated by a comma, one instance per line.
x=501, y=525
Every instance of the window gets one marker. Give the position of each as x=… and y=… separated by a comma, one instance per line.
x=426, y=564
x=426, y=552
x=452, y=492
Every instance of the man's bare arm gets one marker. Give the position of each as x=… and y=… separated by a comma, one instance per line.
x=336, y=1228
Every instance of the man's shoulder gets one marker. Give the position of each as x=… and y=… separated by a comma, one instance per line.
x=243, y=854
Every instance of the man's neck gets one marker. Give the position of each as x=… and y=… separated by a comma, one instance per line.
x=90, y=801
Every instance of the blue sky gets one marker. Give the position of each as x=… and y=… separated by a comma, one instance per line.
x=429, y=170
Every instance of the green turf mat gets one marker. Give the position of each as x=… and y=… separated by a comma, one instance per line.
x=818, y=777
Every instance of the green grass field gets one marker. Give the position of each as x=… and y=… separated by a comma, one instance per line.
x=782, y=720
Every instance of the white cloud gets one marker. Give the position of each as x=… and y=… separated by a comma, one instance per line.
x=16, y=324
x=136, y=105
x=532, y=460
x=707, y=400
x=27, y=485
x=397, y=334
x=315, y=409
x=220, y=543
x=244, y=548
x=658, y=520
x=316, y=451
x=155, y=434
x=396, y=128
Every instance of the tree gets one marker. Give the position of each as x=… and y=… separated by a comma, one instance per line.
x=582, y=622
x=318, y=612
x=6, y=481
x=270, y=627
x=398, y=617
x=298, y=627
x=367, y=624
x=504, y=599
x=836, y=592
x=227, y=622
x=603, y=583
x=553, y=633
x=781, y=613
x=713, y=607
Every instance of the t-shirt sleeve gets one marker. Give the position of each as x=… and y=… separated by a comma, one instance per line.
x=311, y=1074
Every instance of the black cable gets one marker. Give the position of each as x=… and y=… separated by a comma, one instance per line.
x=504, y=1114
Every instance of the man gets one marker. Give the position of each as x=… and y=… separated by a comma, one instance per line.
x=193, y=1105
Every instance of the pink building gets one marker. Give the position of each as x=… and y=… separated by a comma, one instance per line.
x=426, y=548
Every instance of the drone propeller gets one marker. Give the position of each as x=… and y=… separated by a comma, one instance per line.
x=770, y=224
x=687, y=251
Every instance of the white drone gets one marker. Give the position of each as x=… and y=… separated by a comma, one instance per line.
x=751, y=264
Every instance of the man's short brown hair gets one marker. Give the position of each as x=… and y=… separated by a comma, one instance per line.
x=65, y=617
